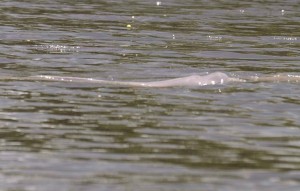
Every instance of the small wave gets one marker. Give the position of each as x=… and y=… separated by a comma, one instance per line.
x=56, y=48
x=286, y=38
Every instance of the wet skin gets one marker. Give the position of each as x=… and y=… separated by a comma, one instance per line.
x=193, y=80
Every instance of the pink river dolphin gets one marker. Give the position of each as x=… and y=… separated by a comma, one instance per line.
x=215, y=78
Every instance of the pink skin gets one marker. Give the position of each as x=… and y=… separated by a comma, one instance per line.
x=194, y=80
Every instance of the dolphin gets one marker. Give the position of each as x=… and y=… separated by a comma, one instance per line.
x=189, y=81
x=215, y=78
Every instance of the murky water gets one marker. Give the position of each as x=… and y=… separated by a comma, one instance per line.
x=79, y=136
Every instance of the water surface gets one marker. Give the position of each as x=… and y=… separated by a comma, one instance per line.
x=79, y=136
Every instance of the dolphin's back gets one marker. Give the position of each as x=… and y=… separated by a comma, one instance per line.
x=193, y=80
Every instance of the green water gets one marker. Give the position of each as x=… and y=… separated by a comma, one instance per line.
x=80, y=136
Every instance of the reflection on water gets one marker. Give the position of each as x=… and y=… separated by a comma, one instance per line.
x=79, y=136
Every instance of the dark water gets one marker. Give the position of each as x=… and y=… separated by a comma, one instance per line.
x=76, y=136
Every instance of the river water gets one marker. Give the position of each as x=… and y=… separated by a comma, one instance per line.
x=80, y=136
